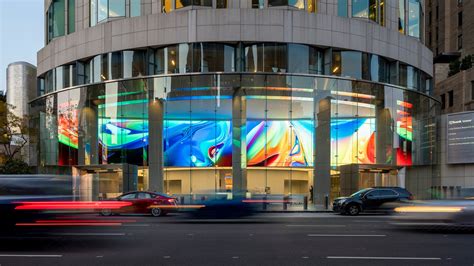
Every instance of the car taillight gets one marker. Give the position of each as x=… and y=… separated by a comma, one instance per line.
x=171, y=200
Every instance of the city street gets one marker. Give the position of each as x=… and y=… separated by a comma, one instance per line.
x=266, y=239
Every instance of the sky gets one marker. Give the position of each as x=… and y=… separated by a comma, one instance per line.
x=21, y=33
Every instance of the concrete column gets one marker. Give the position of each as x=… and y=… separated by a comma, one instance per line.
x=88, y=136
x=401, y=177
x=322, y=164
x=239, y=145
x=384, y=132
x=155, y=145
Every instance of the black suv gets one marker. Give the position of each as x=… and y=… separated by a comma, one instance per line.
x=370, y=199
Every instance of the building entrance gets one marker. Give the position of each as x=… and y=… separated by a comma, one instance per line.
x=354, y=177
x=96, y=182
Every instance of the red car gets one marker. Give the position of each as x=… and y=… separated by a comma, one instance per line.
x=144, y=202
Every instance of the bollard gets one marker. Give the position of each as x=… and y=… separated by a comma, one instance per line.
x=326, y=202
x=305, y=203
x=285, y=203
x=181, y=200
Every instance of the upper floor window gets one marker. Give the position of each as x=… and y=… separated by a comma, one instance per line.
x=371, y=9
x=414, y=18
x=185, y=3
x=221, y=4
x=258, y=3
x=103, y=10
x=311, y=5
x=342, y=8
x=56, y=19
x=451, y=98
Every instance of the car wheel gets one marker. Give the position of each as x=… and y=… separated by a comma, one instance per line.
x=106, y=212
x=353, y=210
x=156, y=212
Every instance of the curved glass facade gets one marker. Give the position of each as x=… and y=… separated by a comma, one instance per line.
x=280, y=132
x=238, y=57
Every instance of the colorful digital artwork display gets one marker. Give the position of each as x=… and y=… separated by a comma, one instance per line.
x=404, y=129
x=353, y=141
x=197, y=143
x=68, y=124
x=280, y=143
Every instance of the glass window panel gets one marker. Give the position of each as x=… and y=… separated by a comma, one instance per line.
x=414, y=18
x=298, y=56
x=316, y=62
x=116, y=8
x=296, y=3
x=160, y=61
x=185, y=58
x=401, y=16
x=221, y=4
x=336, y=63
x=102, y=10
x=115, y=65
x=342, y=8
x=360, y=8
x=166, y=6
x=258, y=3
x=96, y=68
x=133, y=64
x=277, y=2
x=312, y=6
x=59, y=23
x=275, y=58
x=59, y=78
x=402, y=75
x=71, y=16
x=93, y=12
x=104, y=72
x=171, y=59
x=351, y=64
x=135, y=8
x=373, y=10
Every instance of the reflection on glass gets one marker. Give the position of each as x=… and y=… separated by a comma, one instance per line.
x=185, y=3
x=135, y=8
x=312, y=6
x=93, y=12
x=414, y=15
x=401, y=16
x=71, y=16
x=258, y=3
x=102, y=10
x=116, y=8
x=351, y=64
x=221, y=4
x=360, y=8
x=342, y=8
x=167, y=5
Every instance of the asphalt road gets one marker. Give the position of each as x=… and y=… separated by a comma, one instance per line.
x=268, y=239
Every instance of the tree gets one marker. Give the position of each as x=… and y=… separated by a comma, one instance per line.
x=13, y=131
x=466, y=62
x=454, y=67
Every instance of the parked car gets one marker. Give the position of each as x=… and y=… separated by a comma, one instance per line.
x=371, y=199
x=144, y=202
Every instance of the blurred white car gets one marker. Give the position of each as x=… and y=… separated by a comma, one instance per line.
x=457, y=214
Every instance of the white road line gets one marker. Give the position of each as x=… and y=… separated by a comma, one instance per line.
x=368, y=221
x=316, y=225
x=136, y=225
x=89, y=234
x=31, y=256
x=380, y=258
x=333, y=235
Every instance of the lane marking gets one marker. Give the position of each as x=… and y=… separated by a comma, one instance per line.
x=332, y=235
x=316, y=225
x=31, y=255
x=380, y=258
x=89, y=234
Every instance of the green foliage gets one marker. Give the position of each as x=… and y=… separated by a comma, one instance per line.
x=454, y=67
x=15, y=166
x=466, y=62
x=13, y=131
x=457, y=66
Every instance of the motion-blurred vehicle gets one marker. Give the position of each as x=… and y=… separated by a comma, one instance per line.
x=144, y=202
x=15, y=189
x=222, y=208
x=445, y=214
x=374, y=199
